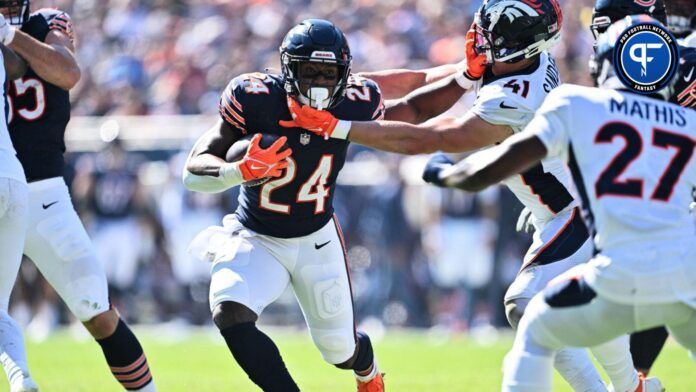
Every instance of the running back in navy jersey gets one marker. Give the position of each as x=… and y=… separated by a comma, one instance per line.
x=299, y=202
x=40, y=111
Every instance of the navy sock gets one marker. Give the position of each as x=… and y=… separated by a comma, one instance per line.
x=646, y=346
x=125, y=356
x=256, y=353
x=366, y=356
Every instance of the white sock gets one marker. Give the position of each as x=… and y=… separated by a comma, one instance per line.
x=370, y=376
x=150, y=387
x=576, y=367
x=12, y=352
x=615, y=358
x=525, y=372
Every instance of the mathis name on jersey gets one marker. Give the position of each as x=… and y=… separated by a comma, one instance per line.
x=650, y=110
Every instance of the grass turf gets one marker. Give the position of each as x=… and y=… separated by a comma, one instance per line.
x=199, y=361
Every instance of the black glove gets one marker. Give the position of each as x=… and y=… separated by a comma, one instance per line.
x=435, y=165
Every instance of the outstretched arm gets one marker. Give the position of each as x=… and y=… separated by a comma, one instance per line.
x=489, y=167
x=427, y=102
x=447, y=134
x=396, y=83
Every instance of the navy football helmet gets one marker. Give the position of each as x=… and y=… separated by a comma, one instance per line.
x=16, y=11
x=513, y=30
x=606, y=12
x=315, y=41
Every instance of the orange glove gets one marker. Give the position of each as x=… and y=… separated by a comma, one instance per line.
x=475, y=62
x=261, y=163
x=320, y=122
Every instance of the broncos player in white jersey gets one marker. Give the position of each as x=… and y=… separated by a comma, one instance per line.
x=509, y=69
x=13, y=223
x=632, y=162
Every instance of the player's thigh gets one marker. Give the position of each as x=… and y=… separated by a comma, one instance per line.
x=13, y=227
x=250, y=276
x=533, y=279
x=684, y=331
x=322, y=285
x=59, y=246
x=571, y=314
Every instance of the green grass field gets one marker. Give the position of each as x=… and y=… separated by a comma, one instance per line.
x=199, y=361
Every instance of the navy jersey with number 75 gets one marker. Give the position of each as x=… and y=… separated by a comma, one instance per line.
x=299, y=202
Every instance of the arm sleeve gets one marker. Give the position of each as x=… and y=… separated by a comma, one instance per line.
x=231, y=106
x=551, y=123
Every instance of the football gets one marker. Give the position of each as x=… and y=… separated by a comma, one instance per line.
x=238, y=149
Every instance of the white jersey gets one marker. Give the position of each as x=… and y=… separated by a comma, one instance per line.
x=9, y=164
x=512, y=100
x=632, y=159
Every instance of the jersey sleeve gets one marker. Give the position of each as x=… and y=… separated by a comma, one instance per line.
x=498, y=105
x=551, y=122
x=366, y=92
x=58, y=20
x=231, y=107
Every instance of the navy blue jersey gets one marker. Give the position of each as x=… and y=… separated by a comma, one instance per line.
x=300, y=201
x=40, y=111
x=114, y=188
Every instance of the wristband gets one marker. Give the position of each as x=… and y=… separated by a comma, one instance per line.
x=464, y=82
x=231, y=175
x=342, y=129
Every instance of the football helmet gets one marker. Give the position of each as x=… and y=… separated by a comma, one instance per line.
x=315, y=41
x=17, y=11
x=513, y=30
x=606, y=12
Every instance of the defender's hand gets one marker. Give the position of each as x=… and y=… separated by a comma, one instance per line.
x=436, y=164
x=7, y=31
x=320, y=122
x=475, y=62
x=262, y=163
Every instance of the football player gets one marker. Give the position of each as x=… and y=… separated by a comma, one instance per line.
x=13, y=223
x=646, y=345
x=284, y=231
x=56, y=239
x=636, y=280
x=508, y=67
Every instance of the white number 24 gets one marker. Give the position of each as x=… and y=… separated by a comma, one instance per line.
x=313, y=190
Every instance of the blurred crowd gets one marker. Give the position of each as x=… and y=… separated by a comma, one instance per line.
x=419, y=256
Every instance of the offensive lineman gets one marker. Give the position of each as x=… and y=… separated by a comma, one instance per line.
x=511, y=36
x=284, y=231
x=634, y=170
x=56, y=239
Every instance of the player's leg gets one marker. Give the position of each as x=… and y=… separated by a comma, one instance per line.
x=321, y=283
x=13, y=225
x=240, y=288
x=684, y=331
x=646, y=346
x=573, y=364
x=567, y=314
x=60, y=247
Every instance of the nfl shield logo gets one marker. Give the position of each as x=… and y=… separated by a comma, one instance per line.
x=304, y=139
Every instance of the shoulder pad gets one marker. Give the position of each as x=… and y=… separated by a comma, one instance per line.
x=57, y=20
x=366, y=94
